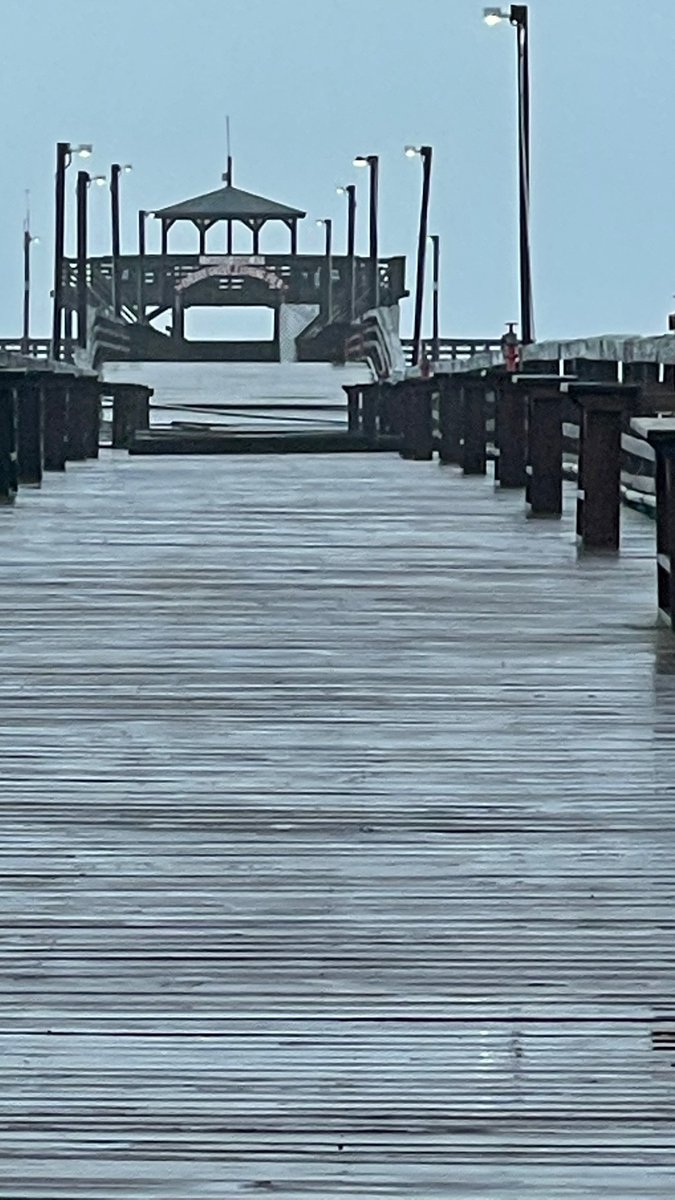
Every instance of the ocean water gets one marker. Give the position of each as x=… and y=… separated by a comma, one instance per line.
x=181, y=388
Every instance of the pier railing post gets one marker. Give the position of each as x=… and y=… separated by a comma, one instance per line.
x=55, y=402
x=8, y=465
x=30, y=431
x=352, y=391
x=660, y=433
x=603, y=407
x=369, y=406
x=418, y=433
x=510, y=434
x=450, y=419
x=76, y=435
x=544, y=444
x=130, y=412
x=474, y=457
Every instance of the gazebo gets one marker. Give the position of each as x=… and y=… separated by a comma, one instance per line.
x=229, y=204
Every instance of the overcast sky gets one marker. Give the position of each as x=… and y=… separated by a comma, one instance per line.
x=309, y=83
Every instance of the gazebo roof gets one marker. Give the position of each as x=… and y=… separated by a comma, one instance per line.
x=229, y=204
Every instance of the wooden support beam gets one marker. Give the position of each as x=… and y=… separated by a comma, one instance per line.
x=545, y=444
x=418, y=434
x=30, y=432
x=660, y=433
x=55, y=401
x=510, y=434
x=474, y=457
x=8, y=465
x=450, y=419
x=603, y=407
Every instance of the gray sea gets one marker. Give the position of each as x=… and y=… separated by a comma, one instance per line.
x=183, y=390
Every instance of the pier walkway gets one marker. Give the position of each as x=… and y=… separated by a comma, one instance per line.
x=336, y=849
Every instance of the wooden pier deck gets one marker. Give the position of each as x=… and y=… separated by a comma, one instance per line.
x=336, y=852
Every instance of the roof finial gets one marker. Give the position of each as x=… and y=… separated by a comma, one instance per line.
x=227, y=177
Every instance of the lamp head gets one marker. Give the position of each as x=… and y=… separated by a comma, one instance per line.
x=99, y=180
x=127, y=168
x=495, y=16
x=84, y=151
x=412, y=151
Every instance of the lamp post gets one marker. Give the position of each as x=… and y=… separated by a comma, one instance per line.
x=115, y=171
x=518, y=16
x=328, y=226
x=372, y=161
x=83, y=182
x=28, y=241
x=64, y=155
x=436, y=261
x=425, y=153
x=142, y=217
x=349, y=190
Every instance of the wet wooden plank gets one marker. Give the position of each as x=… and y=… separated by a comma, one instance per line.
x=336, y=835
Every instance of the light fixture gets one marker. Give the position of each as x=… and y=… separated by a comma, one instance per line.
x=127, y=168
x=35, y=240
x=341, y=191
x=495, y=16
x=412, y=151
x=321, y=222
x=360, y=161
x=152, y=215
x=99, y=180
x=84, y=151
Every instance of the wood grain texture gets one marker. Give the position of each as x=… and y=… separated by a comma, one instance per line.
x=336, y=840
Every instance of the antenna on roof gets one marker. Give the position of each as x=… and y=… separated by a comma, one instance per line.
x=227, y=177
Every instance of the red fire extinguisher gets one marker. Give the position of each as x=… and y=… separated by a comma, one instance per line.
x=511, y=347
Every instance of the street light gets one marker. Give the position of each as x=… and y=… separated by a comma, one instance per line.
x=435, y=340
x=84, y=180
x=518, y=16
x=349, y=190
x=372, y=161
x=28, y=241
x=115, y=171
x=425, y=153
x=64, y=157
x=328, y=226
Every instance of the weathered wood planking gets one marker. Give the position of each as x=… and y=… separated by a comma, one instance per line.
x=336, y=841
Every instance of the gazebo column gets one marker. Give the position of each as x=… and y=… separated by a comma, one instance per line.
x=166, y=225
x=229, y=237
x=203, y=226
x=178, y=321
x=293, y=227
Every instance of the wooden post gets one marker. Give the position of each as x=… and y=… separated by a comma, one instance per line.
x=544, y=487
x=76, y=435
x=8, y=466
x=369, y=398
x=660, y=433
x=599, y=484
x=352, y=391
x=30, y=436
x=418, y=434
x=131, y=412
x=510, y=434
x=450, y=419
x=474, y=457
x=55, y=403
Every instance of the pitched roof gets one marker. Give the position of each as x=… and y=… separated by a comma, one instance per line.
x=229, y=203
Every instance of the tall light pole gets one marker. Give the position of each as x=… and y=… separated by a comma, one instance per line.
x=142, y=218
x=372, y=161
x=84, y=179
x=425, y=153
x=115, y=171
x=328, y=226
x=28, y=241
x=518, y=16
x=64, y=155
x=436, y=261
x=349, y=190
